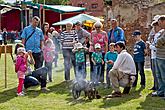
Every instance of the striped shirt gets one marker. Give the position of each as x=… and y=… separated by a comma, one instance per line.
x=160, y=45
x=68, y=38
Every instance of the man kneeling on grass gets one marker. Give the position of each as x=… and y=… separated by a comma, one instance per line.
x=123, y=71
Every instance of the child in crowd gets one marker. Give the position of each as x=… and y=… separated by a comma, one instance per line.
x=139, y=57
x=20, y=68
x=48, y=51
x=110, y=58
x=79, y=51
x=97, y=60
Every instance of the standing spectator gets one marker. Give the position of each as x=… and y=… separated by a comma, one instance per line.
x=139, y=57
x=79, y=51
x=21, y=68
x=83, y=36
x=1, y=37
x=68, y=39
x=32, y=38
x=48, y=51
x=5, y=36
x=160, y=58
x=153, y=40
x=116, y=33
x=45, y=30
x=97, y=60
x=98, y=36
x=82, y=33
x=56, y=41
x=110, y=58
x=123, y=71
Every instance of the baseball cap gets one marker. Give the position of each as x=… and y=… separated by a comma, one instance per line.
x=97, y=46
x=136, y=32
x=78, y=23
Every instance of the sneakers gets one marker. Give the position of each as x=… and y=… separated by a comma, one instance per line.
x=20, y=94
x=126, y=90
x=44, y=89
x=115, y=94
x=155, y=94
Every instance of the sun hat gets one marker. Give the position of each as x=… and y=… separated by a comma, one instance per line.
x=79, y=45
x=21, y=49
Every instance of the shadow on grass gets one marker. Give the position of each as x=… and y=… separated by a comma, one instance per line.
x=7, y=95
x=82, y=100
x=154, y=103
x=118, y=101
x=61, y=88
x=72, y=101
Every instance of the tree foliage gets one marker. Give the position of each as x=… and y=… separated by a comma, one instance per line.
x=1, y=2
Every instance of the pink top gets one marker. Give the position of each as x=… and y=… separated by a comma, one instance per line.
x=49, y=53
x=100, y=38
x=21, y=66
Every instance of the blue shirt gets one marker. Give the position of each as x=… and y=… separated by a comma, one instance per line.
x=33, y=43
x=110, y=56
x=139, y=48
x=117, y=34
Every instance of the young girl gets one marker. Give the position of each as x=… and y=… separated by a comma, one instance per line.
x=48, y=51
x=98, y=62
x=79, y=51
x=20, y=68
x=110, y=58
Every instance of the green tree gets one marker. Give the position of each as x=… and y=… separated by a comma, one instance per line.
x=1, y=2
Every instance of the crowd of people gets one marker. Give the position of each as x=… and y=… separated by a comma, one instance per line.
x=104, y=48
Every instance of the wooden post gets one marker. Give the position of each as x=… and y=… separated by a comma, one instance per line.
x=6, y=49
x=44, y=13
x=60, y=20
x=5, y=68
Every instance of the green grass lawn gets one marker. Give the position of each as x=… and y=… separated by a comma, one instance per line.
x=59, y=97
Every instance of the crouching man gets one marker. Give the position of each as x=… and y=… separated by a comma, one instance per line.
x=123, y=71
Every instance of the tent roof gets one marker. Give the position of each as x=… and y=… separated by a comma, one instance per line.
x=57, y=8
x=80, y=17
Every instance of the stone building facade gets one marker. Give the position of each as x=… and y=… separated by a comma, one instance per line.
x=94, y=7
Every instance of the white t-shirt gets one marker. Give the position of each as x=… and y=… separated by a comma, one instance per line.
x=1, y=38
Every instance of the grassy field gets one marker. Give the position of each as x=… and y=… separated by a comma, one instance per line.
x=59, y=97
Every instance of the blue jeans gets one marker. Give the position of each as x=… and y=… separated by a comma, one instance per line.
x=92, y=68
x=153, y=68
x=139, y=67
x=107, y=76
x=37, y=77
x=80, y=71
x=69, y=60
x=96, y=73
x=160, y=73
x=49, y=66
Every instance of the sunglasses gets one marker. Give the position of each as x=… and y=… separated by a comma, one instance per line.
x=97, y=27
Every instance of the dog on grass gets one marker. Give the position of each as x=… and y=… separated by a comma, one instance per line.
x=86, y=86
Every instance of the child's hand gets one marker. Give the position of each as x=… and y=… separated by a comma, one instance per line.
x=30, y=53
x=110, y=62
x=102, y=62
x=94, y=63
